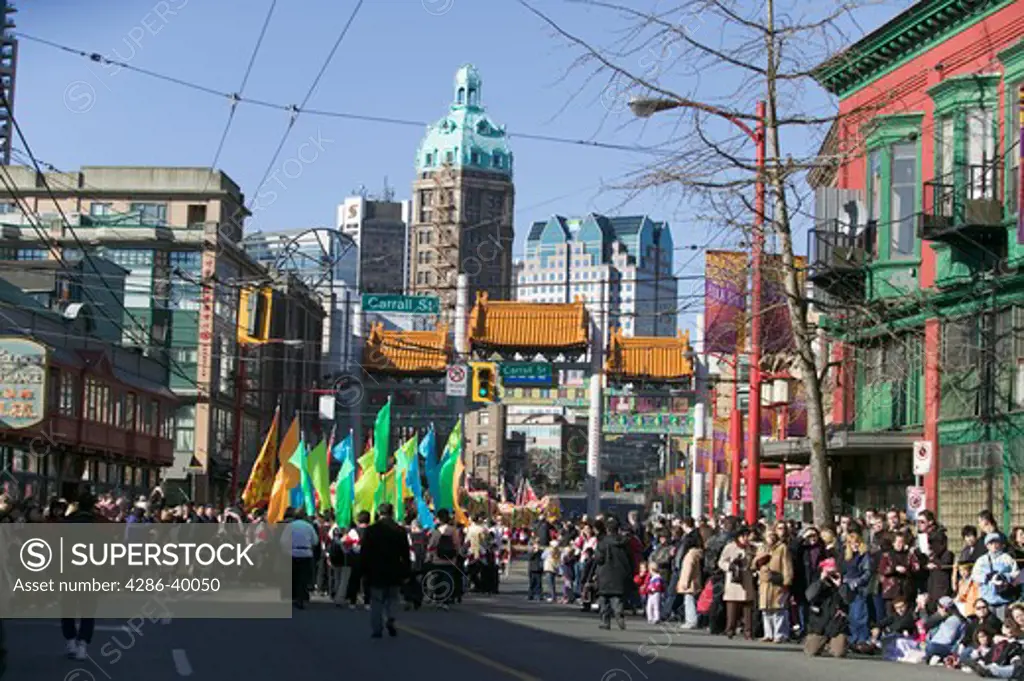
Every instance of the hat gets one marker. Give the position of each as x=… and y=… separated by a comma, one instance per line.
x=828, y=565
x=993, y=537
x=946, y=602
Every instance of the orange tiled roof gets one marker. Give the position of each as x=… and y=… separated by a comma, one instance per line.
x=655, y=357
x=407, y=351
x=512, y=324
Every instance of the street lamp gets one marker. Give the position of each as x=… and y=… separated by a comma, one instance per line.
x=236, y=449
x=645, y=107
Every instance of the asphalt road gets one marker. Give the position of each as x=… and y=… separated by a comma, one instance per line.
x=487, y=637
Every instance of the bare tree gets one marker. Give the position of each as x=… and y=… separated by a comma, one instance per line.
x=713, y=59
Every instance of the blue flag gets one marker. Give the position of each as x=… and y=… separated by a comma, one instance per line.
x=412, y=480
x=343, y=450
x=431, y=466
x=305, y=498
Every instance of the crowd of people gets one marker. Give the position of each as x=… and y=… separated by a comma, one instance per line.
x=875, y=585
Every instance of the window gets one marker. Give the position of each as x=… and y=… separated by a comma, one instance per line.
x=6, y=208
x=903, y=206
x=481, y=462
x=429, y=160
x=961, y=354
x=97, y=208
x=130, y=413
x=426, y=205
x=981, y=153
x=66, y=403
x=496, y=160
x=196, y=214
x=32, y=254
x=482, y=439
x=184, y=429
x=875, y=184
x=150, y=213
x=483, y=417
x=474, y=158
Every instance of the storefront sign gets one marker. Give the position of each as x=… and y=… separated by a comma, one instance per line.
x=546, y=397
x=23, y=381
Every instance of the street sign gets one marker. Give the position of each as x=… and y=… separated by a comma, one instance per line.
x=916, y=501
x=922, y=457
x=526, y=373
x=456, y=383
x=403, y=304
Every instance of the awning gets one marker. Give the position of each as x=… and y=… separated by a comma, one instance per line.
x=842, y=443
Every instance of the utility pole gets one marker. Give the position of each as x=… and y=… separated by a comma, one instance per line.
x=594, y=418
x=757, y=245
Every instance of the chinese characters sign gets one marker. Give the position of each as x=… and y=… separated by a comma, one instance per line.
x=23, y=374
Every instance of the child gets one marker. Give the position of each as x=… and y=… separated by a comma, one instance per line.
x=966, y=590
x=588, y=585
x=535, y=568
x=654, y=589
x=552, y=558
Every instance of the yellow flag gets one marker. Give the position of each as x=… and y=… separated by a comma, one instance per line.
x=460, y=515
x=289, y=443
x=261, y=480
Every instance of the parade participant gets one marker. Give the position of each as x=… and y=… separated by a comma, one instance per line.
x=615, y=569
x=443, y=551
x=385, y=553
x=304, y=538
x=78, y=610
x=353, y=558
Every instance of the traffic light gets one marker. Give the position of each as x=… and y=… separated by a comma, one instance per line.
x=254, y=306
x=485, y=376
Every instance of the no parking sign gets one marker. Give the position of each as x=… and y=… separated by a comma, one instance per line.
x=916, y=501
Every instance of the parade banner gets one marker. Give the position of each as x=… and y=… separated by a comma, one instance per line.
x=725, y=301
x=769, y=419
x=703, y=454
x=720, y=439
x=796, y=425
x=776, y=329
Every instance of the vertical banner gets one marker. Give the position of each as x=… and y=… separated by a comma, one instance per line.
x=204, y=424
x=776, y=329
x=703, y=454
x=796, y=426
x=769, y=418
x=720, y=440
x=725, y=300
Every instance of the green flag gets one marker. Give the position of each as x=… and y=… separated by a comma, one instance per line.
x=452, y=453
x=385, y=490
x=403, y=459
x=367, y=484
x=382, y=437
x=343, y=494
x=299, y=459
x=320, y=474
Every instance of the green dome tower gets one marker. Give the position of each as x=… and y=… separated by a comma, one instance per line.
x=463, y=200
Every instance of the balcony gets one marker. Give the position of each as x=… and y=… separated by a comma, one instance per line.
x=965, y=209
x=839, y=256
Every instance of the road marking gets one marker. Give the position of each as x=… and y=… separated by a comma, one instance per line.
x=486, y=661
x=181, y=662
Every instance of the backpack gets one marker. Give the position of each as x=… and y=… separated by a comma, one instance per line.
x=337, y=553
x=446, y=547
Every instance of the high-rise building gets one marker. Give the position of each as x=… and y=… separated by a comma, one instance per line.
x=621, y=267
x=8, y=72
x=380, y=230
x=463, y=199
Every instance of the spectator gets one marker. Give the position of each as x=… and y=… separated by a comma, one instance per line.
x=739, y=594
x=828, y=599
x=995, y=574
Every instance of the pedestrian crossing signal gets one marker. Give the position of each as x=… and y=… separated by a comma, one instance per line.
x=484, y=382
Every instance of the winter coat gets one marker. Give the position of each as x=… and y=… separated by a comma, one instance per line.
x=713, y=551
x=938, y=582
x=775, y=577
x=615, y=566
x=690, y=581
x=829, y=606
x=897, y=584
x=535, y=561
x=385, y=551
x=737, y=560
x=857, y=573
x=805, y=566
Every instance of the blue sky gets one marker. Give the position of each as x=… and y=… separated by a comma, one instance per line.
x=397, y=61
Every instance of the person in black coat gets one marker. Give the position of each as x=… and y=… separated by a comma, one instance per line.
x=614, y=574
x=78, y=622
x=385, y=553
x=828, y=600
x=535, y=569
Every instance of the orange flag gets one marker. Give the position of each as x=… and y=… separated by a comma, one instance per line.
x=287, y=475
